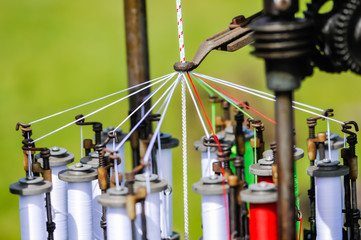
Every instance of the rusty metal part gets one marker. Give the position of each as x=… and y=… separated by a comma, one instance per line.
x=259, y=126
x=236, y=36
x=97, y=127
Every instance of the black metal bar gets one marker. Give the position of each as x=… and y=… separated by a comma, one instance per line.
x=285, y=165
x=138, y=63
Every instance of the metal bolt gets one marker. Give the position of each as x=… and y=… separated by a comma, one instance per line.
x=78, y=165
x=213, y=177
x=55, y=149
x=282, y=4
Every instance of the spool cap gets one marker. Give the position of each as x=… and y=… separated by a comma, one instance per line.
x=327, y=168
x=262, y=192
x=58, y=157
x=114, y=197
x=30, y=186
x=78, y=173
x=156, y=184
x=211, y=185
x=263, y=167
x=167, y=141
x=298, y=153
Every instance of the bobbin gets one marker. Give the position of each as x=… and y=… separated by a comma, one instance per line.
x=165, y=166
x=58, y=157
x=151, y=204
x=29, y=186
x=78, y=173
x=327, y=168
x=260, y=193
x=298, y=153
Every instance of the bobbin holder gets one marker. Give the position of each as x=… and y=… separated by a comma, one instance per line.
x=28, y=145
x=350, y=159
x=97, y=128
x=257, y=145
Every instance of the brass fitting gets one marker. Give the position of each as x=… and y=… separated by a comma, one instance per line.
x=131, y=200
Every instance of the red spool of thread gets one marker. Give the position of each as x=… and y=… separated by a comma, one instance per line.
x=267, y=179
x=262, y=198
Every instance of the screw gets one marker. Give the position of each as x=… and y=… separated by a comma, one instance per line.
x=55, y=149
x=78, y=165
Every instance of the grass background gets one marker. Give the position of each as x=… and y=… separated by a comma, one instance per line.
x=58, y=54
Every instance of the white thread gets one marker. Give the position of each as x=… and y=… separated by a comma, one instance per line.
x=329, y=140
x=213, y=217
x=344, y=140
x=208, y=158
x=141, y=105
x=59, y=202
x=80, y=211
x=30, y=163
x=258, y=91
x=118, y=224
x=94, y=112
x=197, y=109
x=32, y=217
x=142, y=119
x=81, y=141
x=157, y=130
x=329, y=219
x=165, y=168
x=98, y=99
x=152, y=215
x=184, y=149
x=97, y=211
x=236, y=86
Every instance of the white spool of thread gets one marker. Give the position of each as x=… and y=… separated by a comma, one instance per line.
x=58, y=160
x=93, y=160
x=213, y=207
x=118, y=223
x=151, y=205
x=79, y=179
x=32, y=206
x=329, y=217
x=165, y=171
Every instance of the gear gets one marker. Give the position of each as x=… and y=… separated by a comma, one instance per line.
x=338, y=35
x=347, y=37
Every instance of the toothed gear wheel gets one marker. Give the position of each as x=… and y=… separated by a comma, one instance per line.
x=347, y=35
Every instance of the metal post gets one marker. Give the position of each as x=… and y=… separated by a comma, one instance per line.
x=285, y=165
x=137, y=61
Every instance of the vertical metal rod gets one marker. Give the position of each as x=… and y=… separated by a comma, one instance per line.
x=285, y=165
x=137, y=61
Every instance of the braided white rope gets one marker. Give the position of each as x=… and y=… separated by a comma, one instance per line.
x=184, y=149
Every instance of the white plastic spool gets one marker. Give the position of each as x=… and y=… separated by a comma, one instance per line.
x=151, y=205
x=79, y=179
x=165, y=171
x=58, y=160
x=32, y=206
x=118, y=223
x=328, y=193
x=93, y=160
x=336, y=144
x=213, y=207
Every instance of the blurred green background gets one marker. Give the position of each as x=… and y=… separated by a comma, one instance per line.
x=58, y=54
